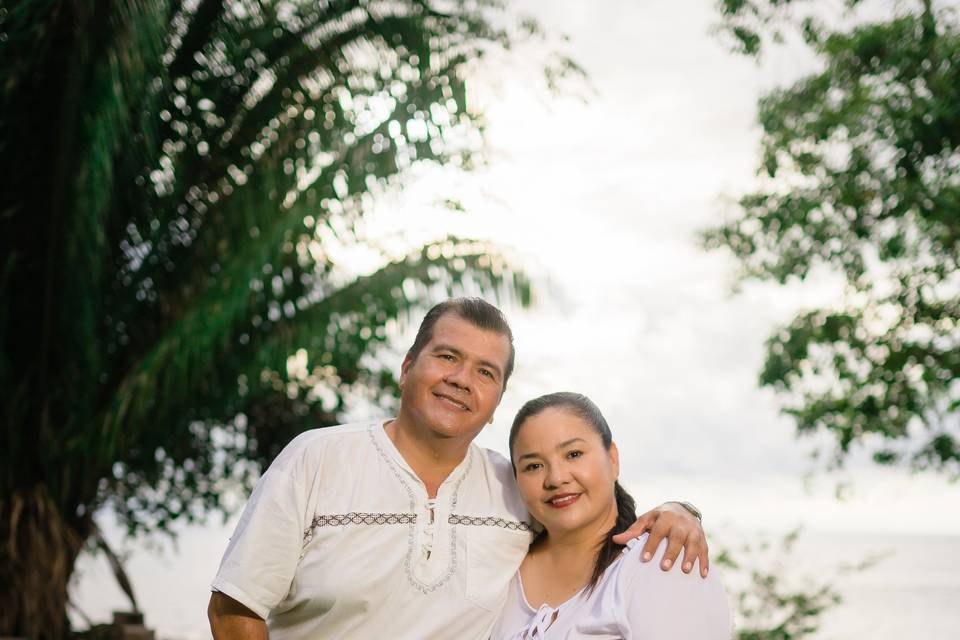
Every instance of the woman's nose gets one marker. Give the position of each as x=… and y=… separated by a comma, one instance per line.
x=557, y=476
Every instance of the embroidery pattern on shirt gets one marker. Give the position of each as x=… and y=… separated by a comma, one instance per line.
x=412, y=532
x=341, y=519
x=489, y=521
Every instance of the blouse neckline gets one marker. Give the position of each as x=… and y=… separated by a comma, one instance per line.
x=523, y=593
x=526, y=603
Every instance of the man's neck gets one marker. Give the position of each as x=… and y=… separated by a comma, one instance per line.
x=431, y=458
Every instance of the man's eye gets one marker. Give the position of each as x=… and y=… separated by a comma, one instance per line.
x=486, y=372
x=445, y=356
x=533, y=466
x=576, y=453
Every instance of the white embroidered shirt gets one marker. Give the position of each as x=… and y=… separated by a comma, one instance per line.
x=340, y=540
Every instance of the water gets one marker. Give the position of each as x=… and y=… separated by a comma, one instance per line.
x=912, y=592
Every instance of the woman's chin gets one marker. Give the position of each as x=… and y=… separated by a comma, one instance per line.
x=574, y=521
x=563, y=523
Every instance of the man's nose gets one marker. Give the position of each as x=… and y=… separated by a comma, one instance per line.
x=458, y=377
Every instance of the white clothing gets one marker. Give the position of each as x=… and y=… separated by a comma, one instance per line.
x=340, y=540
x=632, y=600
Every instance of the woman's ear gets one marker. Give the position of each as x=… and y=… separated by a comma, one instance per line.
x=615, y=459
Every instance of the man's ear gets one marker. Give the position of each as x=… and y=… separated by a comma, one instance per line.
x=404, y=368
x=615, y=459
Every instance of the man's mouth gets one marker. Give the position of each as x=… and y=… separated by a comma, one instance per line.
x=562, y=500
x=452, y=401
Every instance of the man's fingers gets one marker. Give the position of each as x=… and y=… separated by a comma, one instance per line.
x=691, y=552
x=680, y=537
x=674, y=545
x=636, y=529
x=657, y=533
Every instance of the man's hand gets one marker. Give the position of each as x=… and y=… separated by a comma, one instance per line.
x=682, y=530
x=230, y=620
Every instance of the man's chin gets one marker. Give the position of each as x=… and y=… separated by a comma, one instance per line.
x=456, y=430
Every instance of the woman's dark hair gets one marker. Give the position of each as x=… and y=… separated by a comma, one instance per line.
x=584, y=408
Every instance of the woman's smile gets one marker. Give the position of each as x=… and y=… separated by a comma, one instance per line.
x=563, y=500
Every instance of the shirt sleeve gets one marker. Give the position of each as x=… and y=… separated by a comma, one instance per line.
x=262, y=556
x=672, y=605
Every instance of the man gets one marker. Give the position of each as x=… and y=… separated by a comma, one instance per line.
x=400, y=529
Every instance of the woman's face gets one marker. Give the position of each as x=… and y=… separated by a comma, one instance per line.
x=565, y=475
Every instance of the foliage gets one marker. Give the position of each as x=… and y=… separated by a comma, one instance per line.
x=752, y=26
x=179, y=177
x=769, y=601
x=860, y=177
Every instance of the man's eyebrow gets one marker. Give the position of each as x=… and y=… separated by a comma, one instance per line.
x=458, y=353
x=565, y=443
x=445, y=347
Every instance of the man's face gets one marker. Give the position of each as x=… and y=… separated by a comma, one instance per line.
x=453, y=386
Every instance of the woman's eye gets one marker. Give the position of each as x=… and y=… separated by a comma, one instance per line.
x=533, y=466
x=575, y=454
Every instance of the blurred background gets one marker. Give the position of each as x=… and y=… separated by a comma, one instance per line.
x=732, y=224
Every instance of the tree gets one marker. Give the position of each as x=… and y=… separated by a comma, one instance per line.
x=860, y=165
x=766, y=607
x=177, y=177
x=771, y=604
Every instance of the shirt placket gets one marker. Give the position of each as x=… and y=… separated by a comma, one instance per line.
x=433, y=553
x=429, y=530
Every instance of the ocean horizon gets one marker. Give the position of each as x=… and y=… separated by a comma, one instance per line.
x=912, y=589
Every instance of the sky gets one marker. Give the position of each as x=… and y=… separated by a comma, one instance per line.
x=601, y=201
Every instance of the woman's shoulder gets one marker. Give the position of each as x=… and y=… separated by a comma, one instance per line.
x=631, y=565
x=680, y=605
x=630, y=562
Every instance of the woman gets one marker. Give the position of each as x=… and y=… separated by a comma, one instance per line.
x=575, y=581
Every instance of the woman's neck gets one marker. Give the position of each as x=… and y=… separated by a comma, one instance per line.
x=579, y=546
x=563, y=562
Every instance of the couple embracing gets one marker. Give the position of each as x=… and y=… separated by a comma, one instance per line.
x=405, y=529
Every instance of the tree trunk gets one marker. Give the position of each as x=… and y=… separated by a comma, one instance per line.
x=38, y=549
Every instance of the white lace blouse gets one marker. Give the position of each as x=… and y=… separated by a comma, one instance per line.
x=633, y=599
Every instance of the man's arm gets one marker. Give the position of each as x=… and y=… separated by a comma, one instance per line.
x=230, y=620
x=682, y=529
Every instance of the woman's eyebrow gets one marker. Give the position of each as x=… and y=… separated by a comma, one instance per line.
x=565, y=443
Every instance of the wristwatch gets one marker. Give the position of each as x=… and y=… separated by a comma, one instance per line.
x=692, y=509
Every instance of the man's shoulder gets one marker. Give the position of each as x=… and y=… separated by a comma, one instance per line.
x=326, y=436
x=350, y=429
x=501, y=484
x=497, y=461
x=311, y=446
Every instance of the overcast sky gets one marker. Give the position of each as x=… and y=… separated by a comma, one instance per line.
x=603, y=201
